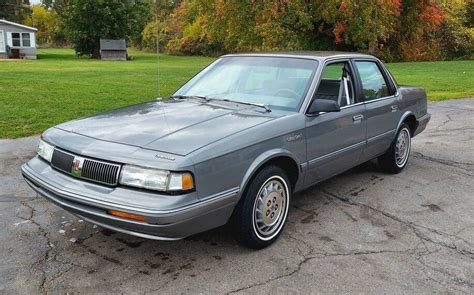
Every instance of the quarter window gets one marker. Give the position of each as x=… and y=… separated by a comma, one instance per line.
x=16, y=39
x=374, y=85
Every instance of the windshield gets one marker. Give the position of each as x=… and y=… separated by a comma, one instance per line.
x=275, y=81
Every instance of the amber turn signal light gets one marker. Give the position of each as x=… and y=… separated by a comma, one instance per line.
x=187, y=181
x=126, y=215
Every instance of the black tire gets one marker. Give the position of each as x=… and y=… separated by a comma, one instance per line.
x=248, y=218
x=391, y=162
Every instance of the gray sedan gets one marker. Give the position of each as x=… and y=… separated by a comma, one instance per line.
x=231, y=145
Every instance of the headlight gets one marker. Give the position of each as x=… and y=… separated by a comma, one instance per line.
x=155, y=179
x=45, y=150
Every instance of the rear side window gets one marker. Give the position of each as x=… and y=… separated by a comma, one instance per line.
x=374, y=85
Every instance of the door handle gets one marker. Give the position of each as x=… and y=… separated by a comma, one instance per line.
x=394, y=108
x=358, y=117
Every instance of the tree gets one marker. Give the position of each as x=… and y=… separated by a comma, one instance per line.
x=391, y=29
x=57, y=5
x=156, y=32
x=48, y=24
x=456, y=33
x=87, y=21
x=233, y=25
x=14, y=10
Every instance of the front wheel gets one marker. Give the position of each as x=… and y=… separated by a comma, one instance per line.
x=261, y=214
x=396, y=158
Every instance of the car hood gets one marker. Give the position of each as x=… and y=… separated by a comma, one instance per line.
x=177, y=127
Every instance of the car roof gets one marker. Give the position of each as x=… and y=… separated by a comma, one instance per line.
x=317, y=55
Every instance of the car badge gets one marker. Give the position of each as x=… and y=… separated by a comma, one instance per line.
x=76, y=169
x=294, y=137
x=164, y=157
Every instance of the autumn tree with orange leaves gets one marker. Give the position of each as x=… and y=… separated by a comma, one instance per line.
x=391, y=29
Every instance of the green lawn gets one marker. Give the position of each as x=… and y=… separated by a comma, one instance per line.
x=59, y=86
x=441, y=80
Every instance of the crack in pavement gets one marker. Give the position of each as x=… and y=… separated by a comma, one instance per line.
x=415, y=227
x=312, y=255
x=418, y=251
x=452, y=108
x=450, y=130
x=300, y=252
x=318, y=255
x=71, y=264
x=50, y=246
x=442, y=161
x=455, y=279
x=444, y=123
x=449, y=163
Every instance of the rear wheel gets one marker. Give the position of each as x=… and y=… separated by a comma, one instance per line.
x=396, y=158
x=261, y=214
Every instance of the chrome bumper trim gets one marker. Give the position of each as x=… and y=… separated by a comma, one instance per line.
x=128, y=232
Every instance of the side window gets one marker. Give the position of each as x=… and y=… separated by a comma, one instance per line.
x=336, y=84
x=374, y=85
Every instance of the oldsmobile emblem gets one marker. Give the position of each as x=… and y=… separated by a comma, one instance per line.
x=76, y=169
x=164, y=157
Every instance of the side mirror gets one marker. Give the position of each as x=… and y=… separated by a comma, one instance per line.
x=323, y=105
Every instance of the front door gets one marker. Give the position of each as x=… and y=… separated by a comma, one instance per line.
x=382, y=111
x=335, y=140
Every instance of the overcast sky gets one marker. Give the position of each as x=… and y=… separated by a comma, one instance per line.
x=35, y=1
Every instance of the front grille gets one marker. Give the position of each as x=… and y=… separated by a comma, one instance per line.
x=100, y=171
x=62, y=161
x=90, y=169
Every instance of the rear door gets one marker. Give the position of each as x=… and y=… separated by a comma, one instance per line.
x=335, y=140
x=381, y=106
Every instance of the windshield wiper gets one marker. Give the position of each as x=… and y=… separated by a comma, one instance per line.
x=206, y=98
x=190, y=96
x=261, y=105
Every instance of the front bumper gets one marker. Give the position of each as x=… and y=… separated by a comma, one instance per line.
x=91, y=202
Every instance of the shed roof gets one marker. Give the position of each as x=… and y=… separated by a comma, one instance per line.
x=109, y=44
x=17, y=25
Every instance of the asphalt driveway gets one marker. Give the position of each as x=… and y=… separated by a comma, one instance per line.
x=360, y=232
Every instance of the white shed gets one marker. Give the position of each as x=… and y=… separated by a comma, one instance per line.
x=17, y=40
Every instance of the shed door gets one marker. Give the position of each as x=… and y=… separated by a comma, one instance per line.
x=2, y=41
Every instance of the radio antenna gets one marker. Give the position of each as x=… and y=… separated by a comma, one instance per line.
x=158, y=52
